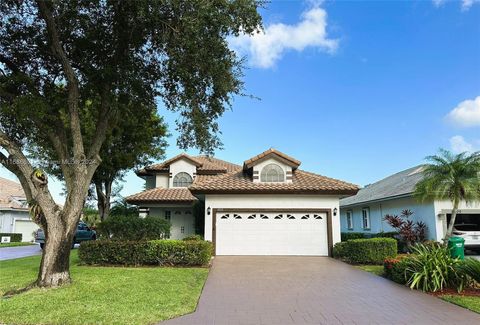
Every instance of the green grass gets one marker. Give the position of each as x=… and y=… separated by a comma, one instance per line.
x=469, y=302
x=15, y=244
x=375, y=269
x=99, y=295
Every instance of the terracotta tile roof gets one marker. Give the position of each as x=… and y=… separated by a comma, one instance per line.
x=205, y=164
x=164, y=195
x=215, y=164
x=302, y=182
x=10, y=194
x=271, y=152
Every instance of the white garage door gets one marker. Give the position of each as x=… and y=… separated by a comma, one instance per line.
x=26, y=228
x=281, y=233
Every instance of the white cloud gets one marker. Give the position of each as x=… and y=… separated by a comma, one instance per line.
x=438, y=3
x=266, y=47
x=466, y=4
x=459, y=144
x=466, y=114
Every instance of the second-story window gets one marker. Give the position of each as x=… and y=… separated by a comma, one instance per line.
x=182, y=180
x=272, y=173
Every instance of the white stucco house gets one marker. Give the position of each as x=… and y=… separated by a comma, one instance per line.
x=365, y=211
x=267, y=206
x=14, y=216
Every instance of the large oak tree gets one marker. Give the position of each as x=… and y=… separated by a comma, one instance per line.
x=68, y=64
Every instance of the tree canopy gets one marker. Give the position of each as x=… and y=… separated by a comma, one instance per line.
x=69, y=68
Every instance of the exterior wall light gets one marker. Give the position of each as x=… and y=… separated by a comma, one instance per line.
x=335, y=211
x=208, y=210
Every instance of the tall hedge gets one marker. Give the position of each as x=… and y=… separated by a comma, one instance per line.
x=134, y=228
x=14, y=237
x=366, y=251
x=155, y=252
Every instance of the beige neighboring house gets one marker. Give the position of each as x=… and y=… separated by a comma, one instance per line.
x=14, y=216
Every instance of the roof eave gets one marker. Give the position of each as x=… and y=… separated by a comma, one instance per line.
x=386, y=198
x=270, y=191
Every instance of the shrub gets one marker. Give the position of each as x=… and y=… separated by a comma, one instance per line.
x=433, y=269
x=339, y=250
x=134, y=228
x=395, y=269
x=369, y=251
x=388, y=234
x=193, y=237
x=471, y=268
x=410, y=232
x=155, y=252
x=352, y=235
x=13, y=237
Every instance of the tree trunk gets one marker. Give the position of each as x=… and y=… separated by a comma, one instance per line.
x=54, y=268
x=103, y=198
x=452, y=220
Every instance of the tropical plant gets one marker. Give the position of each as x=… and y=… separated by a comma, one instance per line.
x=410, y=232
x=471, y=267
x=432, y=269
x=450, y=177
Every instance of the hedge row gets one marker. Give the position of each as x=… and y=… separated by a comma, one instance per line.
x=155, y=252
x=361, y=235
x=133, y=228
x=13, y=237
x=366, y=251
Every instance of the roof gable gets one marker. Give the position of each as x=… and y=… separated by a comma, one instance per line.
x=272, y=153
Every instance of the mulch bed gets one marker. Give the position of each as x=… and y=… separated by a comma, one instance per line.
x=472, y=292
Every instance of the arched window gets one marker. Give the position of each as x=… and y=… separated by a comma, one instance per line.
x=272, y=173
x=182, y=180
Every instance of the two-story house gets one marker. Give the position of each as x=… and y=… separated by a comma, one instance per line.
x=268, y=206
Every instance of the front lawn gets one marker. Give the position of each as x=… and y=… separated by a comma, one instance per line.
x=15, y=244
x=469, y=302
x=106, y=295
x=375, y=269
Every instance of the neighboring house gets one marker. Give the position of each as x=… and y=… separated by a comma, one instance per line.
x=266, y=207
x=14, y=216
x=365, y=211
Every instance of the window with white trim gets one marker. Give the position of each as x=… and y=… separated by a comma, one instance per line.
x=366, y=218
x=182, y=180
x=350, y=220
x=272, y=173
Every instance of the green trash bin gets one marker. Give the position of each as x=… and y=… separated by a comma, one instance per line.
x=456, y=245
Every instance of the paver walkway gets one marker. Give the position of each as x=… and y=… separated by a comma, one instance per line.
x=311, y=290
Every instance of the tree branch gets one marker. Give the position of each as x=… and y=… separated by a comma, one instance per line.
x=73, y=88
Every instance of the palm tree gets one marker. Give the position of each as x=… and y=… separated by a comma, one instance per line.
x=450, y=177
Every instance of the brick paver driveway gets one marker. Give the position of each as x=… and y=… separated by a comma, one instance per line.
x=311, y=290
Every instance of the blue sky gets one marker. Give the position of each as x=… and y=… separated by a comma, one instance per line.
x=355, y=90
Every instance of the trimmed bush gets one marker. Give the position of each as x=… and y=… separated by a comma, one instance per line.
x=13, y=237
x=388, y=234
x=134, y=228
x=352, y=235
x=339, y=250
x=369, y=251
x=193, y=237
x=154, y=252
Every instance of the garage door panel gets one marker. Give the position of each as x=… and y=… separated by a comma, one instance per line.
x=274, y=234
